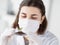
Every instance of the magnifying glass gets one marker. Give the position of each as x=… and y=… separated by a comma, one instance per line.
x=19, y=32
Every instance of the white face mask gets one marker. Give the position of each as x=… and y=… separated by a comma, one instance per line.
x=28, y=26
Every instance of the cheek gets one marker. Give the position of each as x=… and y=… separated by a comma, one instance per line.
x=39, y=18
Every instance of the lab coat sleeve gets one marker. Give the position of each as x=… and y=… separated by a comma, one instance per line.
x=3, y=41
x=51, y=41
x=54, y=42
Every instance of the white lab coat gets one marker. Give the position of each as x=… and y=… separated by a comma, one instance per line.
x=46, y=39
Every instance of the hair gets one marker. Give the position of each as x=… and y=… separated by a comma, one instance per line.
x=35, y=3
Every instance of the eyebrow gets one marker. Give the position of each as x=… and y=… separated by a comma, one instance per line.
x=24, y=13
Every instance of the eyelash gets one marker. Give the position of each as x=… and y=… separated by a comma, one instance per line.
x=23, y=16
x=34, y=17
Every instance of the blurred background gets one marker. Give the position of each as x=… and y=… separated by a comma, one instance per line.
x=9, y=9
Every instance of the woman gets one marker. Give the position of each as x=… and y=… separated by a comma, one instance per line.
x=32, y=22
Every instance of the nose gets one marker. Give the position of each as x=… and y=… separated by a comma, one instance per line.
x=28, y=17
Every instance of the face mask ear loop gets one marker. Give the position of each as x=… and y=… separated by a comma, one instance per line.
x=39, y=28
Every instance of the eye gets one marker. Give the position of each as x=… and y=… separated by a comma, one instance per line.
x=23, y=15
x=34, y=17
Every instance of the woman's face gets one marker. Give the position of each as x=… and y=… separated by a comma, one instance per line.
x=29, y=12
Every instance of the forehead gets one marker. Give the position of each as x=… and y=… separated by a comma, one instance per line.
x=30, y=9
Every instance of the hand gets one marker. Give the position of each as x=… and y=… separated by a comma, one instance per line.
x=5, y=36
x=8, y=32
x=34, y=39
